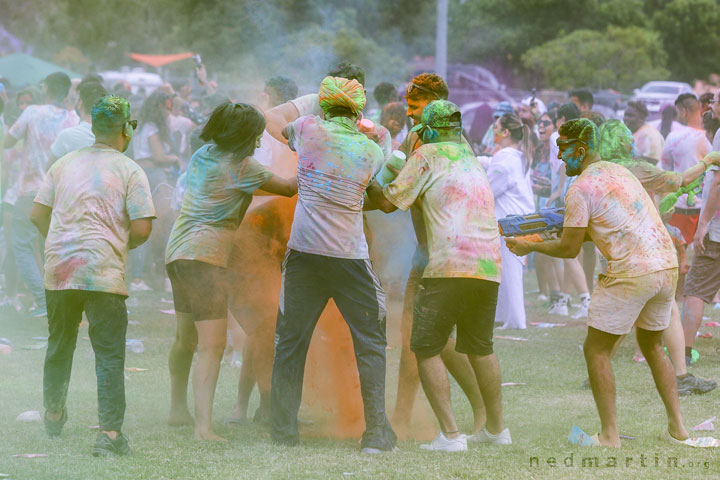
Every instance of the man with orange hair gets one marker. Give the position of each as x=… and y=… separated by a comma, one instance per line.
x=327, y=257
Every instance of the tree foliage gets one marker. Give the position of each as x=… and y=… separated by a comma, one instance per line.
x=618, y=58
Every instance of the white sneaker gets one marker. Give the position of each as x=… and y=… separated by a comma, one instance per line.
x=542, y=298
x=483, y=436
x=561, y=307
x=582, y=311
x=139, y=286
x=444, y=444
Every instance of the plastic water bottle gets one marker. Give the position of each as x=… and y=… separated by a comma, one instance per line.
x=385, y=175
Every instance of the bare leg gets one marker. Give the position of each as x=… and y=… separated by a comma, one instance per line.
x=460, y=368
x=664, y=378
x=181, y=356
x=437, y=389
x=574, y=276
x=487, y=373
x=675, y=341
x=408, y=380
x=692, y=318
x=211, y=345
x=598, y=347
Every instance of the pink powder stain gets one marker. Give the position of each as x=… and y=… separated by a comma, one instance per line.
x=66, y=269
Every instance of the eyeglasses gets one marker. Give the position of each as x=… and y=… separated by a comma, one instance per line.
x=133, y=124
x=412, y=86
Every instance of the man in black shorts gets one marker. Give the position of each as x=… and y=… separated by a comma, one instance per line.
x=460, y=283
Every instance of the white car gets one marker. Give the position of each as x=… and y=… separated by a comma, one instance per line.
x=656, y=94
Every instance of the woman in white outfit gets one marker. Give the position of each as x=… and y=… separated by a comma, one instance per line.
x=509, y=175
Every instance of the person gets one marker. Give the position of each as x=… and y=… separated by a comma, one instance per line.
x=422, y=90
x=667, y=122
x=153, y=150
x=327, y=257
x=617, y=146
x=683, y=149
x=93, y=206
x=703, y=279
x=80, y=135
x=648, y=140
x=222, y=177
x=486, y=145
x=583, y=99
x=509, y=176
x=610, y=205
x=573, y=276
x=460, y=282
x=38, y=126
x=393, y=118
x=278, y=90
x=384, y=94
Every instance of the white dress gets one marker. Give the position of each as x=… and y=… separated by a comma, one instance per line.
x=513, y=193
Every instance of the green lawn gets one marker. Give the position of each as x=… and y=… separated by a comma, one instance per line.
x=540, y=415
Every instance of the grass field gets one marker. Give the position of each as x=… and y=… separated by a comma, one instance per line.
x=540, y=415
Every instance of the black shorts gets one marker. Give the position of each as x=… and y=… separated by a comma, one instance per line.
x=442, y=303
x=199, y=289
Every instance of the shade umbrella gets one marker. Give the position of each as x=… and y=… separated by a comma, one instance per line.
x=22, y=69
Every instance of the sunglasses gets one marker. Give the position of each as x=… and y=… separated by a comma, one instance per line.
x=133, y=124
x=411, y=86
x=569, y=141
x=546, y=123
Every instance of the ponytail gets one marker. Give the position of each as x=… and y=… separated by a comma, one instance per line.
x=521, y=133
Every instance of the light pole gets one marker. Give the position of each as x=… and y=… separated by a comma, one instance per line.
x=441, y=38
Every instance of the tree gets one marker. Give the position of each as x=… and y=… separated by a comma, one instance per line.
x=619, y=58
x=690, y=31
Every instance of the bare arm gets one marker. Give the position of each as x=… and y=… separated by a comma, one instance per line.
x=286, y=187
x=277, y=117
x=140, y=230
x=568, y=246
x=40, y=217
x=158, y=152
x=712, y=203
x=377, y=199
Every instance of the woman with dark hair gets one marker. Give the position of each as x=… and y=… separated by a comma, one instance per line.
x=509, y=175
x=221, y=180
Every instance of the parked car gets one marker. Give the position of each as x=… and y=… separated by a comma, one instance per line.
x=655, y=94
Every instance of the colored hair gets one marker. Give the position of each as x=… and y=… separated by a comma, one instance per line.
x=348, y=70
x=521, y=133
x=585, y=97
x=568, y=111
x=617, y=143
x=109, y=114
x=153, y=110
x=283, y=87
x=89, y=93
x=433, y=83
x=581, y=129
x=58, y=85
x=234, y=128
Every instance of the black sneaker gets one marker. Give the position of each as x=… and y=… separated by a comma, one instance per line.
x=54, y=427
x=690, y=384
x=105, y=447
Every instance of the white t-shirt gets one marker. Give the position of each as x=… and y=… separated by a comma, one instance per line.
x=714, y=225
x=74, y=138
x=683, y=149
x=510, y=184
x=308, y=105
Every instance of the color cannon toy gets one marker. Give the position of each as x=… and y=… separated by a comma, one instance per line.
x=667, y=204
x=544, y=225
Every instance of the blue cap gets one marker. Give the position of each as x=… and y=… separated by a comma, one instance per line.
x=501, y=109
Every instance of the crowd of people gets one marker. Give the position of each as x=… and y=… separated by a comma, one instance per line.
x=118, y=193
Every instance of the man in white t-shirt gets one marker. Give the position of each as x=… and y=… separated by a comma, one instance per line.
x=80, y=135
x=683, y=149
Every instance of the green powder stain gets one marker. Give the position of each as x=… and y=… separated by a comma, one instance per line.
x=486, y=267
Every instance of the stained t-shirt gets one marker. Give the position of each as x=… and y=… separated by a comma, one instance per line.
x=683, y=149
x=218, y=192
x=94, y=193
x=621, y=220
x=458, y=209
x=654, y=179
x=648, y=142
x=38, y=126
x=335, y=165
x=308, y=105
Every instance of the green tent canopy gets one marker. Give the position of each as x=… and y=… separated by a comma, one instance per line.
x=23, y=69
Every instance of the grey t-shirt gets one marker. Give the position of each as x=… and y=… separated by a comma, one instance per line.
x=714, y=225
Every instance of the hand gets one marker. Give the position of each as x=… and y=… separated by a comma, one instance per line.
x=395, y=171
x=684, y=268
x=517, y=246
x=713, y=158
x=201, y=74
x=698, y=244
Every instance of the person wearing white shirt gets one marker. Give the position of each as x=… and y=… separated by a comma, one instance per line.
x=81, y=135
x=509, y=175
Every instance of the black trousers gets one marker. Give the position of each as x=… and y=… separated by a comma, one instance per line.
x=107, y=318
x=309, y=282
